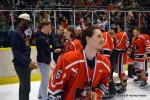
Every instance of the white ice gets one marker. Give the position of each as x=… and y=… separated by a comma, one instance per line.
x=134, y=92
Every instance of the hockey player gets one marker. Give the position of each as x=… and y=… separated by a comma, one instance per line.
x=108, y=45
x=82, y=74
x=140, y=46
x=121, y=44
x=71, y=42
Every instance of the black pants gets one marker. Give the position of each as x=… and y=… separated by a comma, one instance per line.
x=131, y=70
x=112, y=59
x=23, y=73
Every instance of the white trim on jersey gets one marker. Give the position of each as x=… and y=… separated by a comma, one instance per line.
x=79, y=61
x=73, y=45
x=73, y=63
x=106, y=55
x=139, y=54
x=142, y=37
x=106, y=49
x=100, y=91
x=121, y=39
x=104, y=65
x=58, y=83
x=54, y=92
x=74, y=70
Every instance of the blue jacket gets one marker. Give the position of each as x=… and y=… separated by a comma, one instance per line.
x=20, y=48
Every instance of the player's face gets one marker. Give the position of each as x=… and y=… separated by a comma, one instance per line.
x=135, y=33
x=67, y=34
x=96, y=41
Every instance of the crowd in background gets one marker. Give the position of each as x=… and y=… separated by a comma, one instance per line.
x=44, y=4
x=82, y=18
x=60, y=33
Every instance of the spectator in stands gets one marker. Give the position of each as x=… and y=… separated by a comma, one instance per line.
x=78, y=32
x=64, y=22
x=3, y=23
x=46, y=17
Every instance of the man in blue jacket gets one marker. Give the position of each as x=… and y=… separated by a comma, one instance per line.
x=21, y=55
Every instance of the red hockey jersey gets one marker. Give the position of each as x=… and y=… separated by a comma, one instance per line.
x=139, y=45
x=72, y=45
x=121, y=41
x=108, y=45
x=73, y=78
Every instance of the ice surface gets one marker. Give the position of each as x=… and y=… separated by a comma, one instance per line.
x=134, y=92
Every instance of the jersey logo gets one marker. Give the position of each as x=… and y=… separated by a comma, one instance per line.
x=135, y=47
x=100, y=71
x=127, y=44
x=117, y=41
x=147, y=42
x=81, y=94
x=58, y=74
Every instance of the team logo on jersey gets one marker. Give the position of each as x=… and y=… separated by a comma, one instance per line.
x=117, y=41
x=147, y=42
x=127, y=44
x=100, y=71
x=81, y=94
x=58, y=74
x=135, y=47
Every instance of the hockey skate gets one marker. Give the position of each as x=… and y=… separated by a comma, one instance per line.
x=143, y=84
x=137, y=80
x=118, y=84
x=108, y=96
x=121, y=90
